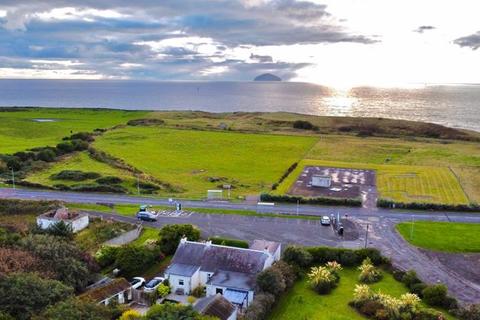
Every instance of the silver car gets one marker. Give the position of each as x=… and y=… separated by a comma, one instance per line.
x=325, y=221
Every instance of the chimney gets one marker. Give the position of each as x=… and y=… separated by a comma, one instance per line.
x=183, y=240
x=208, y=243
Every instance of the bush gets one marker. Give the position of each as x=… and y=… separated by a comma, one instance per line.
x=74, y=175
x=109, y=180
x=98, y=188
x=287, y=271
x=471, y=312
x=199, y=292
x=297, y=256
x=322, y=279
x=305, y=125
x=410, y=278
x=47, y=155
x=260, y=307
x=354, y=202
x=60, y=229
x=25, y=207
x=384, y=203
x=229, y=242
x=417, y=288
x=145, y=122
x=163, y=290
x=435, y=295
x=368, y=272
x=85, y=136
x=271, y=281
x=132, y=260
x=171, y=234
x=106, y=255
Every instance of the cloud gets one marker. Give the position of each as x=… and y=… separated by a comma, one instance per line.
x=168, y=39
x=422, y=29
x=472, y=41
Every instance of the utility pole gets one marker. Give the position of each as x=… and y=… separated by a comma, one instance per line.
x=298, y=204
x=366, y=236
x=13, y=178
x=411, y=229
x=138, y=185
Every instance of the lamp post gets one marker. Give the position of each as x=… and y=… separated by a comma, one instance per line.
x=411, y=229
x=366, y=236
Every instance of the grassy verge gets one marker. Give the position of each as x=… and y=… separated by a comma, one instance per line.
x=442, y=236
x=302, y=303
x=399, y=182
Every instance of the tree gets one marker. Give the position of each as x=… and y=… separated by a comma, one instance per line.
x=25, y=294
x=171, y=234
x=73, y=309
x=63, y=257
x=61, y=229
x=297, y=256
x=435, y=295
x=17, y=260
x=46, y=155
x=271, y=281
x=132, y=259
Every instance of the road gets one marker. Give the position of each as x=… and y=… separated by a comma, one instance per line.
x=76, y=197
x=381, y=223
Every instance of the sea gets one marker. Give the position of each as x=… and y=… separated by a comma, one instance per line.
x=455, y=106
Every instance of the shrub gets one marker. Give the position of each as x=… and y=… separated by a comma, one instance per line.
x=74, y=175
x=85, y=136
x=109, y=180
x=410, y=278
x=368, y=272
x=398, y=274
x=133, y=259
x=145, y=122
x=171, y=234
x=199, y=292
x=260, y=307
x=106, y=255
x=60, y=229
x=163, y=290
x=65, y=147
x=147, y=187
x=297, y=256
x=305, y=125
x=229, y=242
x=417, y=288
x=47, y=155
x=322, y=279
x=99, y=188
x=471, y=312
x=435, y=295
x=130, y=315
x=287, y=271
x=354, y=202
x=271, y=281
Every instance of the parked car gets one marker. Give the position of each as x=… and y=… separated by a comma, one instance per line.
x=153, y=284
x=137, y=282
x=146, y=216
x=325, y=221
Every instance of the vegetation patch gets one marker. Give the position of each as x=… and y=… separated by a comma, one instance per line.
x=442, y=236
x=229, y=242
x=74, y=175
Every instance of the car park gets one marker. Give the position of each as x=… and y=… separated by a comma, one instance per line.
x=153, y=284
x=325, y=221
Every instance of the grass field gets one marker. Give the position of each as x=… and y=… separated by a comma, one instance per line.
x=81, y=161
x=188, y=159
x=442, y=236
x=19, y=131
x=399, y=182
x=302, y=303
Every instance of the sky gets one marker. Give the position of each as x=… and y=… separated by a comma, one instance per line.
x=339, y=43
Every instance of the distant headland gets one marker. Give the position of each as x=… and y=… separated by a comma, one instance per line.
x=267, y=77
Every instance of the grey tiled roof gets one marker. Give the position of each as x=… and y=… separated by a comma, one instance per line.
x=234, y=280
x=214, y=257
x=271, y=246
x=180, y=269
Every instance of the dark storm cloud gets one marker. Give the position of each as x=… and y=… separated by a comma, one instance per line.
x=472, y=41
x=422, y=29
x=110, y=36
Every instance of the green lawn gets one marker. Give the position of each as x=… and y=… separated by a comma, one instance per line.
x=19, y=131
x=82, y=161
x=302, y=303
x=442, y=236
x=401, y=183
x=188, y=158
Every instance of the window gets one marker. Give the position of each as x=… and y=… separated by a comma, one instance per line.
x=180, y=282
x=219, y=290
x=209, y=276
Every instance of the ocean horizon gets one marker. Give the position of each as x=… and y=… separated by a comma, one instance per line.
x=455, y=105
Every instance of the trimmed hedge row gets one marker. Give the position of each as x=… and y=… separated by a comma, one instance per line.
x=318, y=200
x=285, y=175
x=229, y=242
x=385, y=203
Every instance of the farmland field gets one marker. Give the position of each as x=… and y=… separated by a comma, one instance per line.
x=301, y=302
x=399, y=182
x=442, y=236
x=21, y=130
x=81, y=161
x=200, y=160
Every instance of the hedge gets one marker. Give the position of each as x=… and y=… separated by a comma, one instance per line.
x=285, y=175
x=229, y=242
x=355, y=202
x=385, y=203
